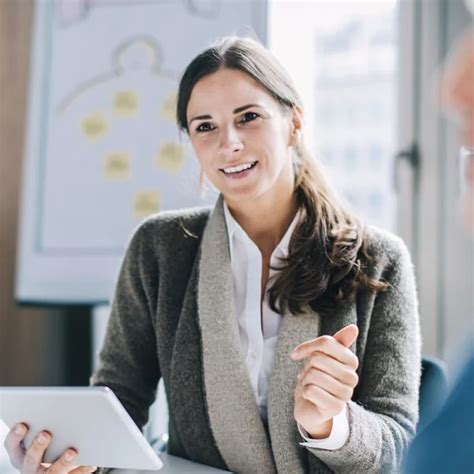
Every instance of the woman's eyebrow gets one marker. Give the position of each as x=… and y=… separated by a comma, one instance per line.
x=235, y=111
x=244, y=107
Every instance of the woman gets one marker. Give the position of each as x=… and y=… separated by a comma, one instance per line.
x=215, y=302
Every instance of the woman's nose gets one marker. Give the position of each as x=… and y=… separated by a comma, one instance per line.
x=230, y=142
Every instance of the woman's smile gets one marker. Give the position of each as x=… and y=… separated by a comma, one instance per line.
x=239, y=171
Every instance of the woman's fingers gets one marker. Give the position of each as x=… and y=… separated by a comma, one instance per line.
x=329, y=346
x=64, y=463
x=322, y=399
x=13, y=446
x=83, y=470
x=30, y=461
x=341, y=372
x=328, y=383
x=34, y=454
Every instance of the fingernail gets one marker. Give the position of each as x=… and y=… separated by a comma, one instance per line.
x=19, y=429
x=41, y=438
x=69, y=456
x=294, y=355
x=299, y=376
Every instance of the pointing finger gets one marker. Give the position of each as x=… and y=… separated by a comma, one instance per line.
x=334, y=346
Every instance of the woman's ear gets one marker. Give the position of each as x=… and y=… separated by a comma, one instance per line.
x=296, y=125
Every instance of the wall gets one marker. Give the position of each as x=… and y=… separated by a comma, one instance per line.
x=37, y=346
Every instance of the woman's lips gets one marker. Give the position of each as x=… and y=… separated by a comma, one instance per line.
x=240, y=174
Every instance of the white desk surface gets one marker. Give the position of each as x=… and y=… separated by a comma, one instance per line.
x=175, y=465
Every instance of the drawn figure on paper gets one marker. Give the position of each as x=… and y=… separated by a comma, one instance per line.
x=117, y=94
x=70, y=12
x=125, y=118
x=135, y=62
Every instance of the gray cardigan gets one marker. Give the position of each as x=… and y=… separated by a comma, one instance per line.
x=173, y=317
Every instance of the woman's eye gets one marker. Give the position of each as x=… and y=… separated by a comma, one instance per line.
x=204, y=127
x=249, y=116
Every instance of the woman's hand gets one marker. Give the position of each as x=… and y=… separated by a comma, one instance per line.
x=326, y=382
x=30, y=461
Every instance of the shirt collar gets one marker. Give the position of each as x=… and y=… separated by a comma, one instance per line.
x=232, y=224
x=233, y=227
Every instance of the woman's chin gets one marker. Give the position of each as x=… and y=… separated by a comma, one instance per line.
x=239, y=197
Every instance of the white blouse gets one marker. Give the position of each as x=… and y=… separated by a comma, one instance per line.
x=259, y=325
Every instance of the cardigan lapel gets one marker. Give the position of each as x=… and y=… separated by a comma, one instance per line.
x=285, y=438
x=233, y=413
x=344, y=314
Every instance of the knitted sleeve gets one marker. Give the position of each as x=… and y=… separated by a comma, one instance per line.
x=128, y=361
x=383, y=417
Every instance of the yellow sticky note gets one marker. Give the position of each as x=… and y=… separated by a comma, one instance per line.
x=168, y=108
x=94, y=126
x=146, y=203
x=170, y=157
x=117, y=166
x=125, y=103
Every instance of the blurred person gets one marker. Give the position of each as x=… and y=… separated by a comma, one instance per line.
x=286, y=331
x=446, y=444
x=458, y=96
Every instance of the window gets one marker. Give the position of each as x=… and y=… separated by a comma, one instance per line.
x=348, y=82
x=350, y=157
x=375, y=156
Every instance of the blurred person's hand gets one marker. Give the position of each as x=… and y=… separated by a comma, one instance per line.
x=29, y=461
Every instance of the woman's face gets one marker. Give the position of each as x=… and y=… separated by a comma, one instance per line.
x=241, y=136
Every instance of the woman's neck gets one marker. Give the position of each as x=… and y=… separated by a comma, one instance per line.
x=265, y=220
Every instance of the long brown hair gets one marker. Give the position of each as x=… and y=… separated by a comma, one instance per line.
x=327, y=255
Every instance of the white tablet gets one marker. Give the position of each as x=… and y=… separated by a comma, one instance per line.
x=89, y=419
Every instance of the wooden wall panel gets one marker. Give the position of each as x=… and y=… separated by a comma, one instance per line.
x=30, y=339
